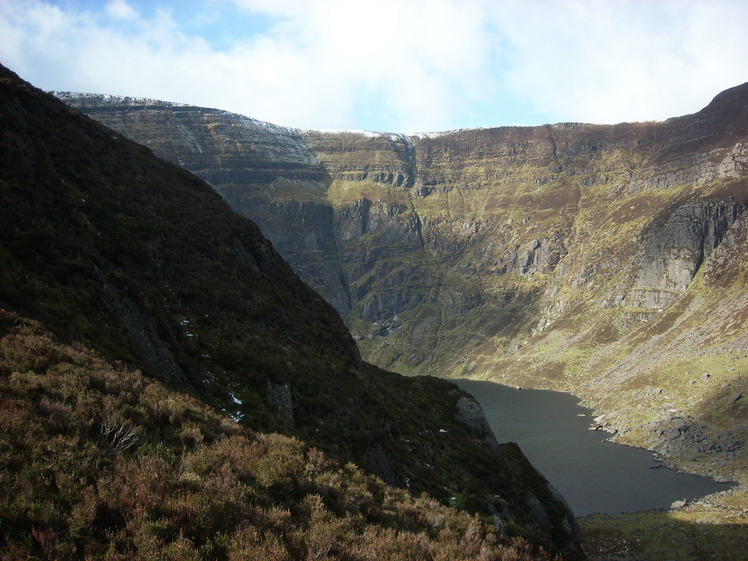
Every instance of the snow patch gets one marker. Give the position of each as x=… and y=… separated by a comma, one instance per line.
x=107, y=99
x=95, y=99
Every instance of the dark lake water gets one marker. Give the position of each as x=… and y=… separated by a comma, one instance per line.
x=594, y=476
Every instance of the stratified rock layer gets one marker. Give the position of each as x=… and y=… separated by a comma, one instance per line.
x=603, y=260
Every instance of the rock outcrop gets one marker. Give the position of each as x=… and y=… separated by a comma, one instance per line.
x=672, y=254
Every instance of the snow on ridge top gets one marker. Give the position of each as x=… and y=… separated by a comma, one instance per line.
x=76, y=99
x=368, y=134
x=98, y=99
x=396, y=136
x=424, y=135
x=107, y=99
x=393, y=136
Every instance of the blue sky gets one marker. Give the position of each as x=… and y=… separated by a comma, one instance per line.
x=389, y=65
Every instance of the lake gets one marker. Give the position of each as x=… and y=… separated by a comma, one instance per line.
x=593, y=475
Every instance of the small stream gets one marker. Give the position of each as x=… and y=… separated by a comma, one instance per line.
x=593, y=475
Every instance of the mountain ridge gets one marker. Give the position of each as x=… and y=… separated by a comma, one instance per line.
x=541, y=256
x=724, y=97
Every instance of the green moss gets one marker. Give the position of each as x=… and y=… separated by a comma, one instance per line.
x=345, y=192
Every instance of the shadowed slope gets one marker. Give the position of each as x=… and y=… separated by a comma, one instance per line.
x=112, y=248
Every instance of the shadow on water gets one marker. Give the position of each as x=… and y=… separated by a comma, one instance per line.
x=593, y=475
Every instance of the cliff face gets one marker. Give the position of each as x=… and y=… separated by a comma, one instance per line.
x=603, y=260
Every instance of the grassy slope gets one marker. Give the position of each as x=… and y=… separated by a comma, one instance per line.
x=713, y=528
x=688, y=359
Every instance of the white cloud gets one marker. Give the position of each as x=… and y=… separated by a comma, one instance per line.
x=324, y=61
x=120, y=9
x=402, y=65
x=610, y=61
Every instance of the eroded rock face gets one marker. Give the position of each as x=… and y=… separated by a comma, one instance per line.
x=279, y=395
x=672, y=254
x=384, y=223
x=470, y=412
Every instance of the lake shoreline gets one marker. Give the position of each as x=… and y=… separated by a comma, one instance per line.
x=595, y=472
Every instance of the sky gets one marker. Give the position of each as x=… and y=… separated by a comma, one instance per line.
x=389, y=65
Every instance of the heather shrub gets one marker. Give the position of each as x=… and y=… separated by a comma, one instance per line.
x=98, y=462
x=248, y=543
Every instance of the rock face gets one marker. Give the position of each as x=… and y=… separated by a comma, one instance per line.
x=672, y=254
x=567, y=256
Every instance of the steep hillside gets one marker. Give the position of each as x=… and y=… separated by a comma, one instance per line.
x=114, y=250
x=602, y=260
x=101, y=462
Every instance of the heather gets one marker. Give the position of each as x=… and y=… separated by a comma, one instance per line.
x=99, y=462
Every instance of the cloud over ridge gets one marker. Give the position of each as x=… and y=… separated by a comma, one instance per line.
x=404, y=66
